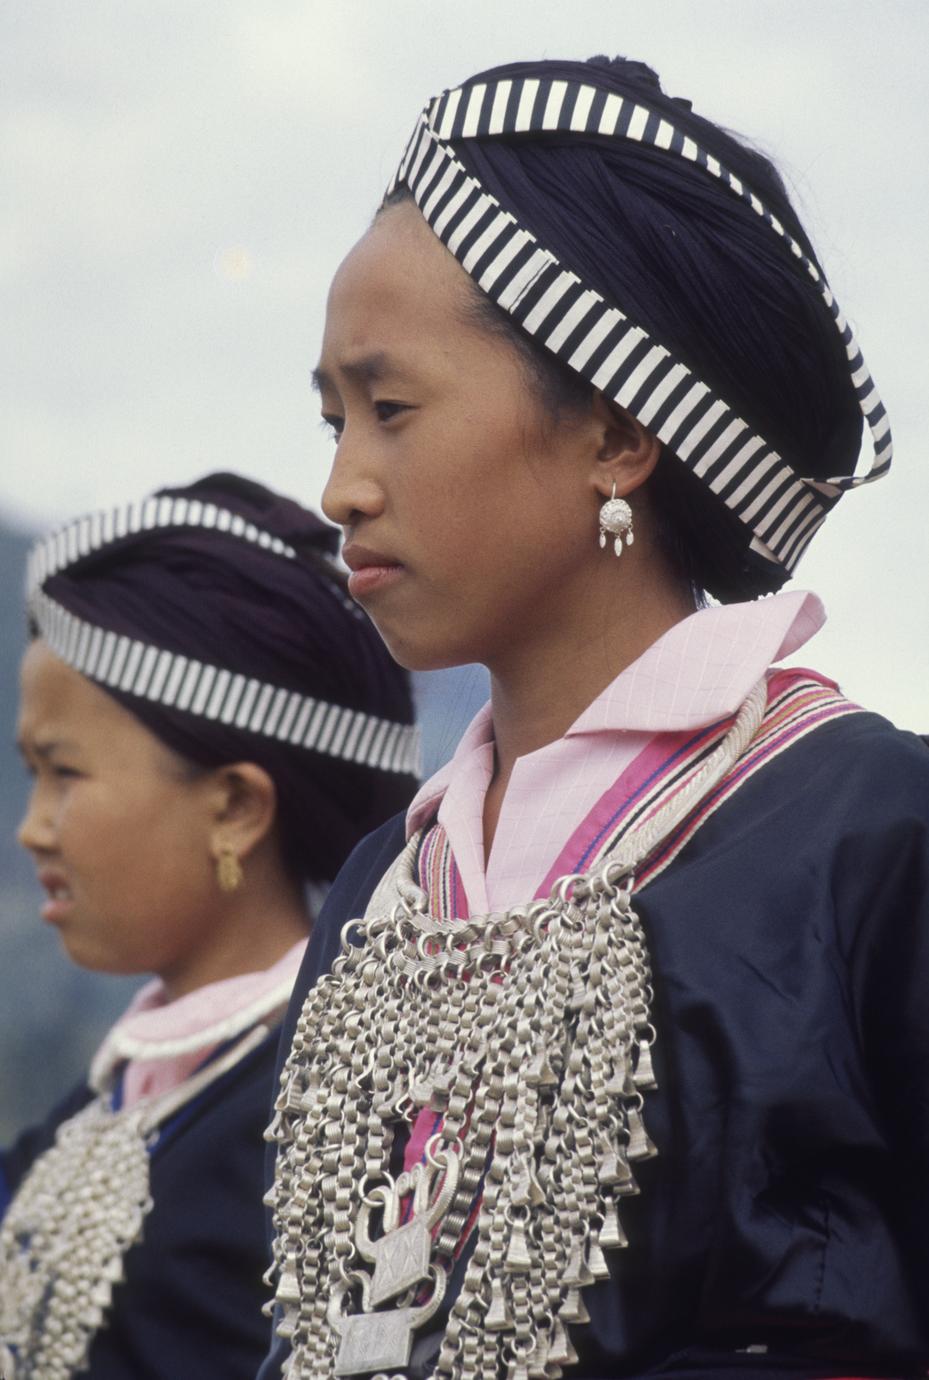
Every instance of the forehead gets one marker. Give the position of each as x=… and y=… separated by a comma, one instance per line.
x=56, y=701
x=398, y=284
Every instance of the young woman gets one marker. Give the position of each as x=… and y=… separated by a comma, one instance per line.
x=211, y=724
x=611, y=1059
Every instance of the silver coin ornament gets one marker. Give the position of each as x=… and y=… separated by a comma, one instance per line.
x=616, y=521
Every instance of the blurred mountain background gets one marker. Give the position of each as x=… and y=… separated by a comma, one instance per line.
x=52, y=1013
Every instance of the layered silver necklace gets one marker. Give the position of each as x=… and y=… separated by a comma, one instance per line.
x=529, y=1032
x=80, y=1208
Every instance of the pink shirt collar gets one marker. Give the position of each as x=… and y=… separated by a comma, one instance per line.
x=161, y=1041
x=698, y=671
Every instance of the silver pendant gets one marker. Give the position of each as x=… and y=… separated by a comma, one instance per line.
x=401, y=1256
x=376, y=1341
x=381, y=1341
x=401, y=1259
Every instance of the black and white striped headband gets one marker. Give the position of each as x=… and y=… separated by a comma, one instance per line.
x=167, y=678
x=595, y=339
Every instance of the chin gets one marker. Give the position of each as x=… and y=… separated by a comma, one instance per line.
x=85, y=954
x=425, y=653
x=414, y=658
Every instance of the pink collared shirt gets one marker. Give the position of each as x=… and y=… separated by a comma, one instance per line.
x=158, y=1043
x=699, y=671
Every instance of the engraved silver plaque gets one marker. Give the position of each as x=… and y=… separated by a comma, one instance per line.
x=401, y=1259
x=376, y=1341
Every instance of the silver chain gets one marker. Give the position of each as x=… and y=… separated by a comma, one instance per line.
x=530, y=1032
x=79, y=1209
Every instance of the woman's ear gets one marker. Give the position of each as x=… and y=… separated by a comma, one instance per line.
x=627, y=452
x=243, y=803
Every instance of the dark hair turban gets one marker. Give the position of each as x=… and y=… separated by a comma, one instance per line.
x=210, y=595
x=696, y=267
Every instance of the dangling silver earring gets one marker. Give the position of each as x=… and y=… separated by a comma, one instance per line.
x=616, y=518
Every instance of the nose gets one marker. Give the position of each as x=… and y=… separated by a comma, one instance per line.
x=352, y=490
x=36, y=832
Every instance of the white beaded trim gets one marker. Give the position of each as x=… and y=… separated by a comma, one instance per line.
x=220, y=695
x=91, y=533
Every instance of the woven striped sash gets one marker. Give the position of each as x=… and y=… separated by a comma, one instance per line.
x=798, y=702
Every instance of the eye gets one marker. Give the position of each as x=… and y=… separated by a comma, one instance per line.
x=386, y=411
x=333, y=425
x=63, y=773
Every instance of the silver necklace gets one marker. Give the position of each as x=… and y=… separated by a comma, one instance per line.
x=80, y=1208
x=529, y=1030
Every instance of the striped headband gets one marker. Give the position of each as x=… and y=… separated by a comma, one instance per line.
x=594, y=338
x=210, y=692
x=91, y=533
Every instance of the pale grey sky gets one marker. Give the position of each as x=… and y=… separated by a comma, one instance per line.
x=180, y=180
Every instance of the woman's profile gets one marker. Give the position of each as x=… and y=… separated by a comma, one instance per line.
x=210, y=725
x=610, y=1058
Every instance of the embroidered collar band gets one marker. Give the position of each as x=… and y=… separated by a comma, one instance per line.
x=701, y=670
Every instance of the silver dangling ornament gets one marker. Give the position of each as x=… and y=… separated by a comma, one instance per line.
x=616, y=519
x=528, y=1034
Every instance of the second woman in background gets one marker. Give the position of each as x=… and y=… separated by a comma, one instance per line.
x=211, y=724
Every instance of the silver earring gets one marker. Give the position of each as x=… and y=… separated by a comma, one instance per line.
x=616, y=519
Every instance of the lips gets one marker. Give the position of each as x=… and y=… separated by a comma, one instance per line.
x=60, y=900
x=370, y=570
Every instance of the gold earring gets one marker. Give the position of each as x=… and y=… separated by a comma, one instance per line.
x=229, y=872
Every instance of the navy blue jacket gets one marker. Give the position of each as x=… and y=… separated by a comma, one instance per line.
x=789, y=1205
x=190, y=1305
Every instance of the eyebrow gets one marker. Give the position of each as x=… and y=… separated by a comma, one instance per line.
x=45, y=750
x=366, y=369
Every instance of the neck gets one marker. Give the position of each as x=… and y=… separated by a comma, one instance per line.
x=256, y=927
x=542, y=684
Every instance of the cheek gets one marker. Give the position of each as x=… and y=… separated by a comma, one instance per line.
x=142, y=897
x=465, y=491
x=83, y=820
x=123, y=833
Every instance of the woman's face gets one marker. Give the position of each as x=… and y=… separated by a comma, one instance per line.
x=119, y=833
x=470, y=517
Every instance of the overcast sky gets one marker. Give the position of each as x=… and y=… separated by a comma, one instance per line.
x=181, y=177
